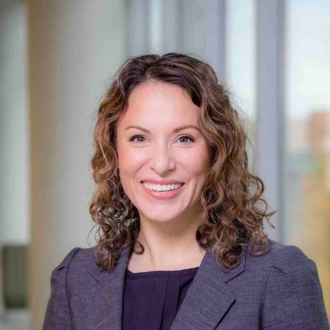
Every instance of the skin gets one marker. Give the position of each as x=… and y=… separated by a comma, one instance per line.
x=168, y=227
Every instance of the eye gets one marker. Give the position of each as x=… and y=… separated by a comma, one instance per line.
x=139, y=137
x=133, y=138
x=187, y=137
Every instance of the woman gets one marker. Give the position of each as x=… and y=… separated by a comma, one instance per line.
x=182, y=242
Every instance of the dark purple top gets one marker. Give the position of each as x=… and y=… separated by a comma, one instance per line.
x=152, y=299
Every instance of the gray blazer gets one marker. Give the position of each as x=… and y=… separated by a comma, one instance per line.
x=279, y=290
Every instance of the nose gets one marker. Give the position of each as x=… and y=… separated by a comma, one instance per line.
x=162, y=161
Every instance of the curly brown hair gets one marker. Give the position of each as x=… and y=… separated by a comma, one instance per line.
x=232, y=198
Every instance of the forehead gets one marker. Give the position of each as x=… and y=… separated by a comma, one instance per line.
x=156, y=102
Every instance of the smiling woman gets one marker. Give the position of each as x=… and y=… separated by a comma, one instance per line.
x=171, y=151
x=181, y=220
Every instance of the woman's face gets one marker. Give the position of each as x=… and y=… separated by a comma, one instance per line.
x=159, y=151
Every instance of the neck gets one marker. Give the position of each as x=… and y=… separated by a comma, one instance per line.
x=169, y=245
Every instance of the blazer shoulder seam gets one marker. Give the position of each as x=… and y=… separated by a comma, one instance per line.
x=288, y=257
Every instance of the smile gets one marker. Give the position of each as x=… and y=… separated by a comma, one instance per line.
x=160, y=188
x=162, y=192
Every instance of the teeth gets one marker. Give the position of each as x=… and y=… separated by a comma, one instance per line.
x=158, y=187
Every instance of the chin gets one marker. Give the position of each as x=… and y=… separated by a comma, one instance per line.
x=161, y=217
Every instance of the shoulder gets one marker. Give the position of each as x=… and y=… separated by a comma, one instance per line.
x=65, y=277
x=292, y=295
x=76, y=258
x=70, y=271
x=286, y=258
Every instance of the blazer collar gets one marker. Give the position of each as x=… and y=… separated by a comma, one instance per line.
x=103, y=304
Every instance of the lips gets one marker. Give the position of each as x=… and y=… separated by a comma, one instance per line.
x=174, y=184
x=162, y=183
x=162, y=195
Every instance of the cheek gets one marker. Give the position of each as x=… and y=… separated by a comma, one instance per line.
x=129, y=165
x=199, y=162
x=125, y=157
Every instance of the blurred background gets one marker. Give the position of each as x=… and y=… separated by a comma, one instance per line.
x=57, y=58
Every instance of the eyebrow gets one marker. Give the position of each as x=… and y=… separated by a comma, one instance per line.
x=174, y=131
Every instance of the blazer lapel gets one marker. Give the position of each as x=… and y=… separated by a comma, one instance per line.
x=208, y=298
x=205, y=304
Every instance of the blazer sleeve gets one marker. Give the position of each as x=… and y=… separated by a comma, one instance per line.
x=294, y=298
x=57, y=316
